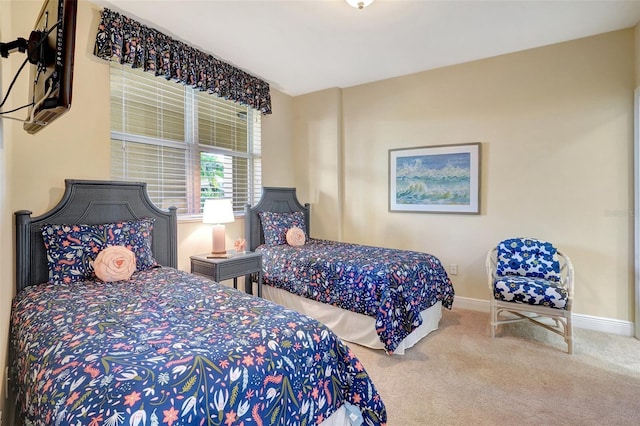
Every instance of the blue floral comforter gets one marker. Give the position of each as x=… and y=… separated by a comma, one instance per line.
x=171, y=348
x=391, y=285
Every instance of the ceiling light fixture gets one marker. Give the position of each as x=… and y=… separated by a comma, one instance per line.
x=359, y=4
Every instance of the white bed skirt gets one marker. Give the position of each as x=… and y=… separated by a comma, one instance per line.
x=351, y=326
x=341, y=418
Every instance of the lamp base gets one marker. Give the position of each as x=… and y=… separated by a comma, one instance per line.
x=218, y=248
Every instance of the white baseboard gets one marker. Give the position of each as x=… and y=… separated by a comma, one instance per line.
x=588, y=322
x=471, y=304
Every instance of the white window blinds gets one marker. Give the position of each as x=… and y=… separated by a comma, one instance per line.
x=186, y=144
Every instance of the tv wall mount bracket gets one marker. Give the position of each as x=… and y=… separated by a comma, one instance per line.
x=34, y=47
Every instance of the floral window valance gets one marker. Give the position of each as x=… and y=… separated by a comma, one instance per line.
x=122, y=39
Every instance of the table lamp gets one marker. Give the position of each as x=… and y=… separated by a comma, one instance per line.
x=218, y=211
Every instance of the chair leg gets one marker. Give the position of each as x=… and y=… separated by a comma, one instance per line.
x=493, y=321
x=569, y=335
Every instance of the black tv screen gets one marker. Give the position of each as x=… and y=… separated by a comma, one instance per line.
x=51, y=49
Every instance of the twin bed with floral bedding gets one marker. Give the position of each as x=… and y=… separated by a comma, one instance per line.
x=377, y=297
x=99, y=343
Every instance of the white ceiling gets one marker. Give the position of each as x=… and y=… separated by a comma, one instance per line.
x=302, y=46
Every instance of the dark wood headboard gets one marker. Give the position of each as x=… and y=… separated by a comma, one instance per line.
x=280, y=200
x=92, y=202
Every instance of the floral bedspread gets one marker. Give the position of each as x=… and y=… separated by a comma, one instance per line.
x=390, y=285
x=171, y=348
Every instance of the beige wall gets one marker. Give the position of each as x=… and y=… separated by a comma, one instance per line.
x=556, y=126
x=278, y=165
x=637, y=53
x=555, y=123
x=319, y=174
x=6, y=248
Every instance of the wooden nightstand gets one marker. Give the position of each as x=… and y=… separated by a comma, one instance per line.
x=234, y=266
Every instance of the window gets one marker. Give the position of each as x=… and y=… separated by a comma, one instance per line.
x=187, y=145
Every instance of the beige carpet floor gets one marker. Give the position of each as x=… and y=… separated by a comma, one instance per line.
x=459, y=375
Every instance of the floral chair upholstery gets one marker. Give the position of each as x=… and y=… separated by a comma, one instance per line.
x=530, y=280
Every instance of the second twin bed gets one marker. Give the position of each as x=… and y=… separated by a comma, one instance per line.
x=377, y=297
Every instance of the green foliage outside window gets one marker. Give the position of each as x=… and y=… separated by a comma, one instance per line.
x=211, y=177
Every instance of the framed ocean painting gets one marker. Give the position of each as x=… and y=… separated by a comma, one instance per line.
x=435, y=179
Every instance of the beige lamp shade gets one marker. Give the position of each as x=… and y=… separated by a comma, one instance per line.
x=218, y=211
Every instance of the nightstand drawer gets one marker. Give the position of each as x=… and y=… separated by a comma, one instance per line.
x=240, y=266
x=204, y=268
x=232, y=267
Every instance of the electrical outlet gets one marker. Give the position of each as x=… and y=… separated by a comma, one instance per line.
x=453, y=269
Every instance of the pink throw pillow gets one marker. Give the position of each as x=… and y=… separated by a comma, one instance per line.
x=115, y=263
x=295, y=236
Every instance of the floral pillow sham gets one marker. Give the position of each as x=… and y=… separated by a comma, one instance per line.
x=275, y=226
x=71, y=249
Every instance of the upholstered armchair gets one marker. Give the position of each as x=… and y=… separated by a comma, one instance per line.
x=530, y=280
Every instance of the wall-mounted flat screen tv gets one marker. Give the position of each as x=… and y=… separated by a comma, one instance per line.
x=51, y=49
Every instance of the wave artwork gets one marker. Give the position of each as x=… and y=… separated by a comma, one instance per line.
x=441, y=179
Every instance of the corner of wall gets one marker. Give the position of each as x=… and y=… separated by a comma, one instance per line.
x=5, y=215
x=636, y=50
x=318, y=134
